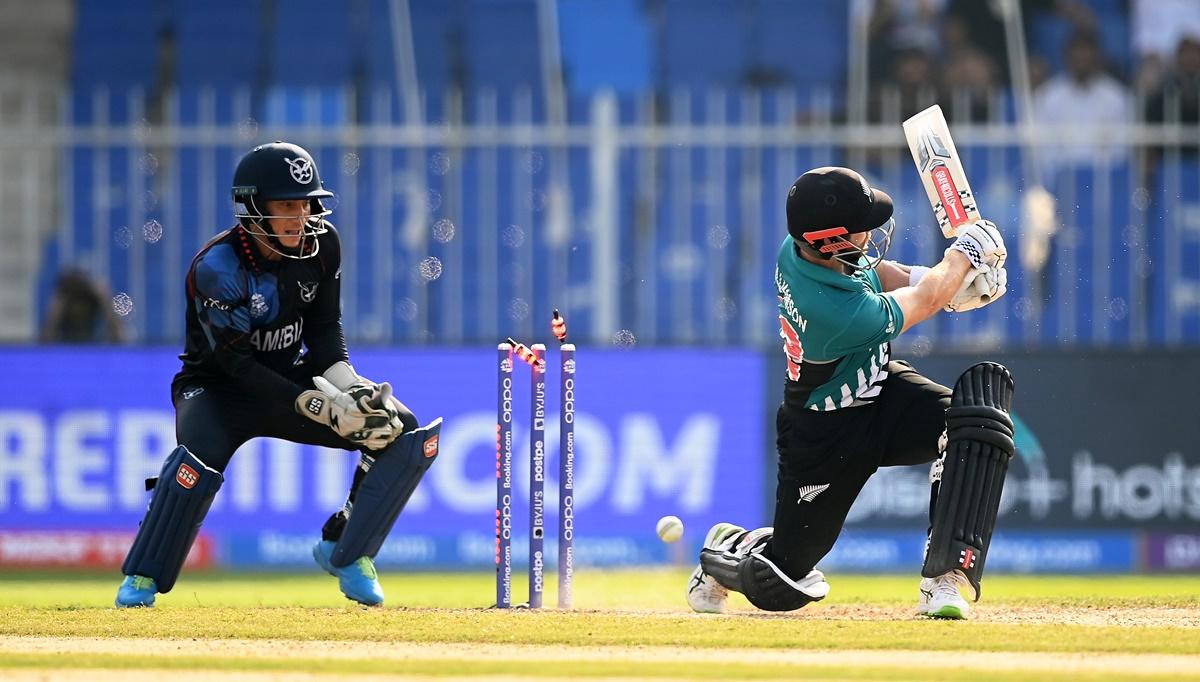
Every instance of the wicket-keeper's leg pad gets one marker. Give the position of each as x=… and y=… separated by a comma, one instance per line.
x=182, y=495
x=979, y=445
x=385, y=490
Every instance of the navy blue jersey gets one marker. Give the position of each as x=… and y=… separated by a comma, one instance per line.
x=248, y=317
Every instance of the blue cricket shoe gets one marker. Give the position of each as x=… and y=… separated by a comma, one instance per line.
x=136, y=591
x=358, y=581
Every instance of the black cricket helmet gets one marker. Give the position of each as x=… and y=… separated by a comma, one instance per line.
x=280, y=171
x=826, y=204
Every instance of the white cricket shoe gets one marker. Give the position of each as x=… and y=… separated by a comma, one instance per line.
x=941, y=598
x=704, y=593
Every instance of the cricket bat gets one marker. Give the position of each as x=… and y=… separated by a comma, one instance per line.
x=941, y=170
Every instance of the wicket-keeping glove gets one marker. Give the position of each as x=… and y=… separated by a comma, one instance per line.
x=350, y=419
x=378, y=396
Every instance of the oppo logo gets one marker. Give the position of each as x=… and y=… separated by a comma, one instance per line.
x=506, y=407
x=568, y=409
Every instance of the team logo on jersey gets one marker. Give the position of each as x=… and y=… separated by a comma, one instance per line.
x=308, y=291
x=258, y=305
x=808, y=493
x=301, y=170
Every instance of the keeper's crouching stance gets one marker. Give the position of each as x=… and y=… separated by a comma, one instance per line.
x=257, y=294
x=849, y=409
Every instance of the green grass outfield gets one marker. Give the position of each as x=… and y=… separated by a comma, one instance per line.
x=629, y=624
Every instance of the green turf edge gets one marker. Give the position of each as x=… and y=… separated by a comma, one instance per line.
x=593, y=629
x=544, y=669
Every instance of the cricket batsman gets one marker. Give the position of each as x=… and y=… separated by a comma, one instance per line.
x=849, y=408
x=265, y=356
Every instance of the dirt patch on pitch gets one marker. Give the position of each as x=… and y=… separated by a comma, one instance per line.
x=1043, y=615
x=980, y=613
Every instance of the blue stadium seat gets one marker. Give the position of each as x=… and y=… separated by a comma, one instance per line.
x=116, y=44
x=311, y=44
x=219, y=42
x=592, y=58
x=502, y=46
x=803, y=43
x=704, y=47
x=438, y=32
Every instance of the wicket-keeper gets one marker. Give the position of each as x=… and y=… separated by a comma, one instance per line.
x=265, y=356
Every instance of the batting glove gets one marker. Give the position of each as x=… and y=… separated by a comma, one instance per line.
x=982, y=244
x=978, y=289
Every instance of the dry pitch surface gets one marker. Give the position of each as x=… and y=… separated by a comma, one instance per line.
x=631, y=625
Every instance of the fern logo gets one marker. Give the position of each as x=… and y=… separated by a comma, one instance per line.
x=808, y=493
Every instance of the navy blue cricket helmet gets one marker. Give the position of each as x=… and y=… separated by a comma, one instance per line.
x=280, y=171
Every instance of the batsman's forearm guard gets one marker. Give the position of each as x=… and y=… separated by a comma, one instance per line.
x=979, y=445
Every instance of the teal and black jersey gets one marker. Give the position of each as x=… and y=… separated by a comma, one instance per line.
x=836, y=331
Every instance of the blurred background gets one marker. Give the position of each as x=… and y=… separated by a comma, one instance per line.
x=624, y=161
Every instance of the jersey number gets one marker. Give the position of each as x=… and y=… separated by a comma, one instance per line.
x=791, y=348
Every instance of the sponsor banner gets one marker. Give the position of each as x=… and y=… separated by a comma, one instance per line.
x=1173, y=551
x=82, y=549
x=1104, y=440
x=1066, y=552
x=876, y=551
x=658, y=431
x=271, y=549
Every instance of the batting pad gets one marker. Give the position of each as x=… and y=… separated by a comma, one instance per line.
x=770, y=589
x=723, y=567
x=384, y=492
x=979, y=445
x=182, y=495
